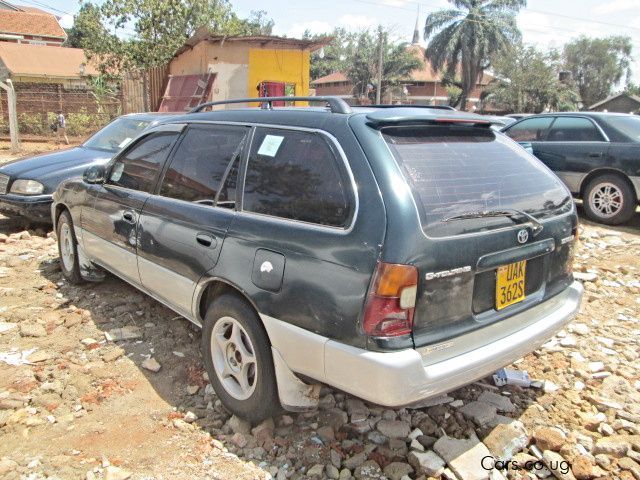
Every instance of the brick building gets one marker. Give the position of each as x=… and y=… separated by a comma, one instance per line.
x=29, y=25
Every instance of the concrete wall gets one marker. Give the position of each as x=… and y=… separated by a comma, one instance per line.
x=241, y=66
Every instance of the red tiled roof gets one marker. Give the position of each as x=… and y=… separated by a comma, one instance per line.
x=30, y=23
x=44, y=61
x=424, y=74
x=331, y=78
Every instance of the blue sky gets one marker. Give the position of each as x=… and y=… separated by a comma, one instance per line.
x=546, y=23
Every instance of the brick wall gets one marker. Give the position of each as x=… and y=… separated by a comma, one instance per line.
x=35, y=101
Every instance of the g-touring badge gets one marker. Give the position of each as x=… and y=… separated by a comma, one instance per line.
x=523, y=235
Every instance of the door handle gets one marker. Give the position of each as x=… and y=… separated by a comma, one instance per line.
x=129, y=217
x=595, y=154
x=206, y=240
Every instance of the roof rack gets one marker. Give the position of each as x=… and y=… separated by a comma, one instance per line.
x=336, y=104
x=433, y=107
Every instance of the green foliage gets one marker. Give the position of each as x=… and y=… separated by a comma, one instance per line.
x=125, y=34
x=633, y=89
x=357, y=55
x=33, y=123
x=527, y=81
x=335, y=56
x=597, y=65
x=463, y=40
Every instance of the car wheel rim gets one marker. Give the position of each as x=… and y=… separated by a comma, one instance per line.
x=234, y=358
x=66, y=247
x=606, y=200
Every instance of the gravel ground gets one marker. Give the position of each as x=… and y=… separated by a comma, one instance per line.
x=100, y=382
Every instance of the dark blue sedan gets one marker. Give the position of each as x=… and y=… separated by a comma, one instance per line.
x=26, y=185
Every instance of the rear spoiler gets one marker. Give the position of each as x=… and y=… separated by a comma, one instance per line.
x=387, y=117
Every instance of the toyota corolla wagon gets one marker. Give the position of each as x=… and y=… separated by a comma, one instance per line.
x=392, y=253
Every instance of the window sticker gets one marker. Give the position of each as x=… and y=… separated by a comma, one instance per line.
x=270, y=145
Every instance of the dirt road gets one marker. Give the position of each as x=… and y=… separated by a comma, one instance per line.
x=76, y=400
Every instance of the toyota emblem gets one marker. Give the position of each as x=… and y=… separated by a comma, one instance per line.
x=523, y=236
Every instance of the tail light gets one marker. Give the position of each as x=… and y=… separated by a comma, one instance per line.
x=391, y=301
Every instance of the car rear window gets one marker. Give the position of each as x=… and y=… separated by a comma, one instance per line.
x=454, y=170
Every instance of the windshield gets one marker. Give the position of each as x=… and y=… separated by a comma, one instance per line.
x=115, y=136
x=628, y=126
x=455, y=170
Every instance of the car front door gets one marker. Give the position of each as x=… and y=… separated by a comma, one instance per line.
x=572, y=148
x=183, y=226
x=110, y=235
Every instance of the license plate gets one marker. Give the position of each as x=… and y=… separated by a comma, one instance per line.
x=510, y=284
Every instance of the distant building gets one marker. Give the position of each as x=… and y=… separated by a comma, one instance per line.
x=43, y=64
x=29, y=25
x=422, y=87
x=211, y=67
x=621, y=103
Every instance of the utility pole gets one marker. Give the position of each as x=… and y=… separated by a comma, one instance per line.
x=380, y=60
x=7, y=86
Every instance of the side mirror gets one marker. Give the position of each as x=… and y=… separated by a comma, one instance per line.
x=95, y=174
x=527, y=146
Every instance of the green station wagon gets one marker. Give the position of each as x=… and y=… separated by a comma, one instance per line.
x=392, y=253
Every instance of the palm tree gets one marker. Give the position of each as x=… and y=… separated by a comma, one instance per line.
x=463, y=39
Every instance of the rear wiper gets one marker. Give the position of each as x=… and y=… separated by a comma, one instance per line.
x=511, y=213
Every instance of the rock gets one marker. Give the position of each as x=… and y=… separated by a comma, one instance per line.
x=6, y=466
x=264, y=430
x=628, y=464
x=128, y=332
x=428, y=463
x=377, y=438
x=112, y=354
x=394, y=428
x=345, y=473
x=397, y=470
x=115, y=473
x=192, y=389
x=354, y=461
x=504, y=441
x=427, y=425
x=316, y=470
x=326, y=434
x=7, y=327
x=190, y=417
x=463, y=456
x=595, y=366
x=333, y=417
x=238, y=425
x=585, y=276
x=583, y=468
x=336, y=459
x=612, y=447
x=32, y=330
x=369, y=470
x=180, y=424
x=480, y=412
x=557, y=465
x=332, y=472
x=502, y=403
x=151, y=364
x=547, y=438
x=40, y=356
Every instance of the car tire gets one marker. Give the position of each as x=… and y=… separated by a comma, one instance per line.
x=237, y=356
x=68, y=248
x=609, y=199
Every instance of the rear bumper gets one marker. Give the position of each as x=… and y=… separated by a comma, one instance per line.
x=406, y=377
x=36, y=208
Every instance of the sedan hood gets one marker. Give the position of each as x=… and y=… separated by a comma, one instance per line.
x=35, y=166
x=52, y=168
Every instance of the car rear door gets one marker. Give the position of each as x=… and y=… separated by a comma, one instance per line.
x=529, y=132
x=110, y=221
x=182, y=227
x=573, y=147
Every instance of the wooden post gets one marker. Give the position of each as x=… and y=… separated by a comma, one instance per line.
x=7, y=86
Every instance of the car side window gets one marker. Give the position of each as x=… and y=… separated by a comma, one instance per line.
x=574, y=129
x=200, y=162
x=137, y=167
x=297, y=175
x=529, y=130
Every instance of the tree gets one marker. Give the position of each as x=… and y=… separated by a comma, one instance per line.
x=147, y=33
x=633, y=89
x=527, y=81
x=597, y=65
x=463, y=40
x=334, y=56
